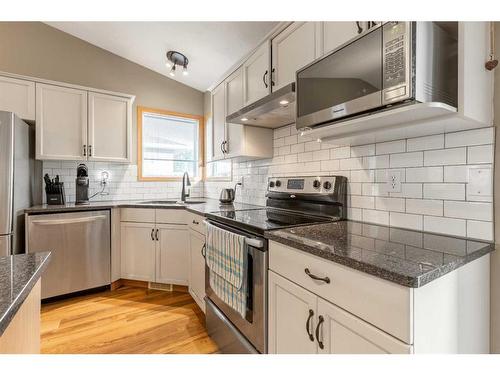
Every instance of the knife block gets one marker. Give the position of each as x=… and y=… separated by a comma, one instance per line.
x=58, y=197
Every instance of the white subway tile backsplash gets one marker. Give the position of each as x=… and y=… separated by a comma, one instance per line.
x=424, y=207
x=407, y=221
x=425, y=174
x=445, y=157
x=390, y=204
x=469, y=210
x=358, y=201
x=425, y=143
x=376, y=217
x=444, y=191
x=482, y=230
x=480, y=154
x=454, y=227
x=340, y=153
x=471, y=137
x=433, y=169
x=390, y=147
x=408, y=159
x=365, y=150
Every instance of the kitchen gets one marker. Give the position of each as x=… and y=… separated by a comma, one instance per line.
x=342, y=171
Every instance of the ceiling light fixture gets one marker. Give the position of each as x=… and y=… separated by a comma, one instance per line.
x=244, y=119
x=284, y=102
x=175, y=58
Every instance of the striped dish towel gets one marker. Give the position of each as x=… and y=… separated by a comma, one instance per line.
x=226, y=258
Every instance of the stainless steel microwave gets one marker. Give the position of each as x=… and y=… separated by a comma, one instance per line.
x=394, y=63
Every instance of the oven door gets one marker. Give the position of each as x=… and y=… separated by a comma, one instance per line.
x=346, y=82
x=232, y=332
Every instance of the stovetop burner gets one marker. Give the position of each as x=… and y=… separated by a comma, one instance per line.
x=261, y=220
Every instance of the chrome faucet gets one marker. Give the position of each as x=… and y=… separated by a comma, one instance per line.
x=185, y=182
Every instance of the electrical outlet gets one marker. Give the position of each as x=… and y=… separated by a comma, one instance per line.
x=394, y=181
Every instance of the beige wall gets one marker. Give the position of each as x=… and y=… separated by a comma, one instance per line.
x=38, y=50
x=495, y=258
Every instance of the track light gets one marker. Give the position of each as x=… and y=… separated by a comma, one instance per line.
x=175, y=59
x=172, y=71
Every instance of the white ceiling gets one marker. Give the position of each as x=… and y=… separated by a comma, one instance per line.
x=211, y=47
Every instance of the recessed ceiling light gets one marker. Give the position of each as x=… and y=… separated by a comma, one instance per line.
x=244, y=119
x=284, y=102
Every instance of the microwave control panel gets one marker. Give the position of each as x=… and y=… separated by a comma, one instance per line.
x=396, y=37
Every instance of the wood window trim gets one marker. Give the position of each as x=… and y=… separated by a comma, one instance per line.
x=201, y=142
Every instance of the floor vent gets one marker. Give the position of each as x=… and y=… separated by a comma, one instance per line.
x=160, y=286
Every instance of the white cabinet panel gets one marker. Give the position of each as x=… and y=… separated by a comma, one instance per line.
x=290, y=307
x=218, y=121
x=197, y=267
x=234, y=91
x=256, y=75
x=110, y=128
x=342, y=333
x=61, y=123
x=172, y=254
x=18, y=96
x=138, y=251
x=292, y=49
x=337, y=33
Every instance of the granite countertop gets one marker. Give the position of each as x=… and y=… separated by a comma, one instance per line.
x=406, y=257
x=209, y=205
x=18, y=276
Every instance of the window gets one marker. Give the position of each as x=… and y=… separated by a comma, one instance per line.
x=169, y=144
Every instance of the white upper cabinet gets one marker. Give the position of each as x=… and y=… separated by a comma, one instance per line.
x=218, y=121
x=61, y=123
x=335, y=34
x=18, y=96
x=234, y=91
x=292, y=49
x=256, y=74
x=110, y=128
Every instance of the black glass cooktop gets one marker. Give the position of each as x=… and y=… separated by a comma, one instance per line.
x=261, y=220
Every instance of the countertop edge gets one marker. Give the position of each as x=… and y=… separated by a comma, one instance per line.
x=17, y=303
x=394, y=277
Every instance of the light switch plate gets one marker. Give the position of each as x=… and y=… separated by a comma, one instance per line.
x=394, y=181
x=479, y=186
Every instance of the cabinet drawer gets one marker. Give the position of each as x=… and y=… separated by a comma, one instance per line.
x=138, y=215
x=195, y=222
x=381, y=303
x=171, y=216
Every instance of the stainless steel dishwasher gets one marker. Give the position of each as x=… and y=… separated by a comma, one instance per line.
x=81, y=250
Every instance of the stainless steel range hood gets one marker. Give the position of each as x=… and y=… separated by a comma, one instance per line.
x=272, y=111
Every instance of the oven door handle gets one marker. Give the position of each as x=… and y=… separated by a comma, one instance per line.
x=254, y=242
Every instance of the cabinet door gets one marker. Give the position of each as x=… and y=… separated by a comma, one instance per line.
x=61, y=123
x=172, y=254
x=343, y=333
x=234, y=91
x=197, y=267
x=110, y=128
x=218, y=121
x=256, y=75
x=290, y=307
x=337, y=33
x=18, y=96
x=138, y=251
x=292, y=49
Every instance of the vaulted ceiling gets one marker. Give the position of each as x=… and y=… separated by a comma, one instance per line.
x=211, y=47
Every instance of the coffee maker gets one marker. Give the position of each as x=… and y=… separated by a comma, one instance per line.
x=82, y=184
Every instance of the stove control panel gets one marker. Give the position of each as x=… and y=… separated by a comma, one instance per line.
x=304, y=185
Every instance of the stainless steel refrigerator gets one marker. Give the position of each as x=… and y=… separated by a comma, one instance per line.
x=19, y=187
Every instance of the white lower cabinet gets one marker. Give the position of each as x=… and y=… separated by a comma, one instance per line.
x=197, y=267
x=291, y=317
x=138, y=251
x=172, y=254
x=302, y=323
x=154, y=250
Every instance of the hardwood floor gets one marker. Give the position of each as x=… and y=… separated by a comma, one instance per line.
x=127, y=320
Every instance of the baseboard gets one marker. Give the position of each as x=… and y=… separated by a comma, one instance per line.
x=146, y=285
